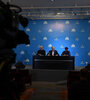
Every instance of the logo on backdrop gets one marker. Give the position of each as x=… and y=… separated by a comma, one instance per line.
x=44, y=38
x=67, y=22
x=22, y=52
x=50, y=45
x=28, y=29
x=50, y=30
x=73, y=46
x=73, y=30
x=89, y=38
x=45, y=22
x=66, y=38
x=88, y=53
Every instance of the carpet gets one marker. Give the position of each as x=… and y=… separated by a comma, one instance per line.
x=47, y=91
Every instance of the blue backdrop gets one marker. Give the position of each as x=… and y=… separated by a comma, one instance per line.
x=75, y=34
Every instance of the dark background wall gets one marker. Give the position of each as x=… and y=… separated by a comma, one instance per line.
x=73, y=33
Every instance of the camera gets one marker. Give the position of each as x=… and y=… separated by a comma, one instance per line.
x=10, y=37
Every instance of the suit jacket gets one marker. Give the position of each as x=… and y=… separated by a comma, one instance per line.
x=42, y=52
x=65, y=53
x=55, y=53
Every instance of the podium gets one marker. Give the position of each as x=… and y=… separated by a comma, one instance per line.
x=53, y=62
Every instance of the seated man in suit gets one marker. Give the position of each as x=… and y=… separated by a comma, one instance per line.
x=41, y=52
x=53, y=52
x=66, y=52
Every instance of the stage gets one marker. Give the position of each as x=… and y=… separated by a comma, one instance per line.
x=47, y=75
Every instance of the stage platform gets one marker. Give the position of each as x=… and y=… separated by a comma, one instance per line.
x=47, y=75
x=76, y=67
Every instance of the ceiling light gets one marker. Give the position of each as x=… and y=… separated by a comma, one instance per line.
x=52, y=0
x=60, y=13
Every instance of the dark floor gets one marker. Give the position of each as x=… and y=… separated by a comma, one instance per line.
x=47, y=90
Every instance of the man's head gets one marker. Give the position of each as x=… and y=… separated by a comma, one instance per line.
x=83, y=74
x=53, y=48
x=41, y=47
x=66, y=48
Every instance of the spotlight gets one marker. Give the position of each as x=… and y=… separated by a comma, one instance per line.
x=52, y=0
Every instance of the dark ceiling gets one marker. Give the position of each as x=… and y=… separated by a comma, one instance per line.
x=54, y=9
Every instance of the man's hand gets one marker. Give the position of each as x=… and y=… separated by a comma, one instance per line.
x=39, y=54
x=48, y=55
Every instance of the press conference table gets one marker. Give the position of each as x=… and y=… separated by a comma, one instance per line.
x=53, y=62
